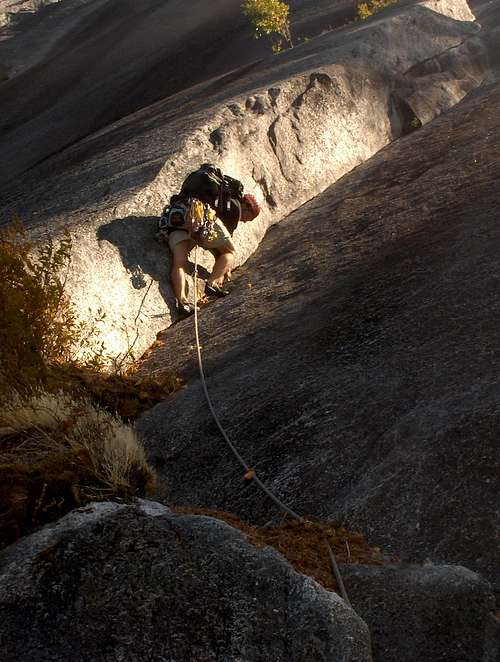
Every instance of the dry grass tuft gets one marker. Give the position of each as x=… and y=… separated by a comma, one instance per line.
x=41, y=411
x=113, y=452
x=57, y=453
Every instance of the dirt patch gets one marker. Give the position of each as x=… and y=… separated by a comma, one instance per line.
x=304, y=544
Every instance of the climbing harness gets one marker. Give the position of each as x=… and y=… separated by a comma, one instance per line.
x=250, y=473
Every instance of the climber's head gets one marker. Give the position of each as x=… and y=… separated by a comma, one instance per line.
x=250, y=208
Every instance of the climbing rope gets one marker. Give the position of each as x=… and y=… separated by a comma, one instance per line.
x=250, y=473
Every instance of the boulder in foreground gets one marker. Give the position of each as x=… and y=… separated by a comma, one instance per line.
x=113, y=582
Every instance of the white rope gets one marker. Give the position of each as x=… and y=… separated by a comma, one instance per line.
x=250, y=472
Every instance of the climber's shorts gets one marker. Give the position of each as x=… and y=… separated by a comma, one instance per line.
x=222, y=238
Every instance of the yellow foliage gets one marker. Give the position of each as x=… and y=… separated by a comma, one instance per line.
x=367, y=9
x=38, y=323
x=269, y=17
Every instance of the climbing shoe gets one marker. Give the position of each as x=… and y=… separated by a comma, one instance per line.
x=184, y=310
x=215, y=291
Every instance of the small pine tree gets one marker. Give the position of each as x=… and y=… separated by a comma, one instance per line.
x=271, y=18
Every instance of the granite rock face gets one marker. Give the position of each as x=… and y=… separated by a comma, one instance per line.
x=488, y=17
x=111, y=582
x=359, y=373
x=287, y=126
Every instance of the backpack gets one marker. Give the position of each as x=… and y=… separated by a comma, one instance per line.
x=222, y=192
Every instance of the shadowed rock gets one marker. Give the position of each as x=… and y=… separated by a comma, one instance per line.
x=432, y=613
x=113, y=582
x=78, y=66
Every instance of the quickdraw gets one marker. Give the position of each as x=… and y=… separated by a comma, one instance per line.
x=202, y=218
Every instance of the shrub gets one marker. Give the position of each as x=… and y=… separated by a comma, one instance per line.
x=271, y=18
x=38, y=323
x=367, y=9
x=3, y=76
